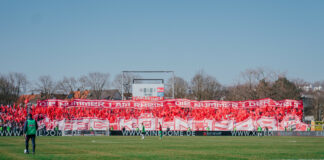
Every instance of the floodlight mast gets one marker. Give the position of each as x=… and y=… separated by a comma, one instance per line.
x=123, y=74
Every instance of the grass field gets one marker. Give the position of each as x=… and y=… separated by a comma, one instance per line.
x=118, y=147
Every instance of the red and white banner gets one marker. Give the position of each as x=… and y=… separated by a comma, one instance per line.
x=152, y=123
x=225, y=125
x=151, y=98
x=201, y=125
x=246, y=125
x=76, y=124
x=292, y=122
x=184, y=103
x=267, y=122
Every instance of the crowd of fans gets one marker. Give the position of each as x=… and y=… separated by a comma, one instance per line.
x=13, y=117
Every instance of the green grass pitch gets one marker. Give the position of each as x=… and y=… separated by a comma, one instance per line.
x=118, y=147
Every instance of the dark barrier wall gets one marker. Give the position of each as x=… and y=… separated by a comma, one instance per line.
x=165, y=133
x=38, y=133
x=218, y=133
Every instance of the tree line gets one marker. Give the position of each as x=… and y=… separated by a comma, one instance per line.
x=252, y=84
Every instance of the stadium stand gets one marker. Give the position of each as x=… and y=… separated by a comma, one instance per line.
x=16, y=115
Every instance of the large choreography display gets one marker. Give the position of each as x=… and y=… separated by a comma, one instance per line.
x=176, y=114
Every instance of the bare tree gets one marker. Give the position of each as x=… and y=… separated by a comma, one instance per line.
x=46, y=86
x=205, y=87
x=254, y=76
x=12, y=86
x=7, y=91
x=316, y=93
x=300, y=83
x=197, y=85
x=251, y=77
x=263, y=89
x=97, y=82
x=255, y=84
x=213, y=88
x=19, y=81
x=128, y=78
x=82, y=81
x=181, y=88
x=238, y=92
x=67, y=85
x=318, y=103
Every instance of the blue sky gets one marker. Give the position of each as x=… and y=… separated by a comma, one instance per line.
x=72, y=38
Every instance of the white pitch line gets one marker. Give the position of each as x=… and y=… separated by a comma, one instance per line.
x=93, y=141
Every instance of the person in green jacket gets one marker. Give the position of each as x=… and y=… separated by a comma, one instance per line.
x=30, y=128
x=1, y=129
x=91, y=131
x=143, y=131
x=308, y=128
x=259, y=131
x=8, y=128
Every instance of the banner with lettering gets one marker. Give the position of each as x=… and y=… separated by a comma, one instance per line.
x=177, y=123
x=183, y=103
x=75, y=124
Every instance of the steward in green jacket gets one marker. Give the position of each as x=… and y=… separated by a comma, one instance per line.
x=30, y=129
